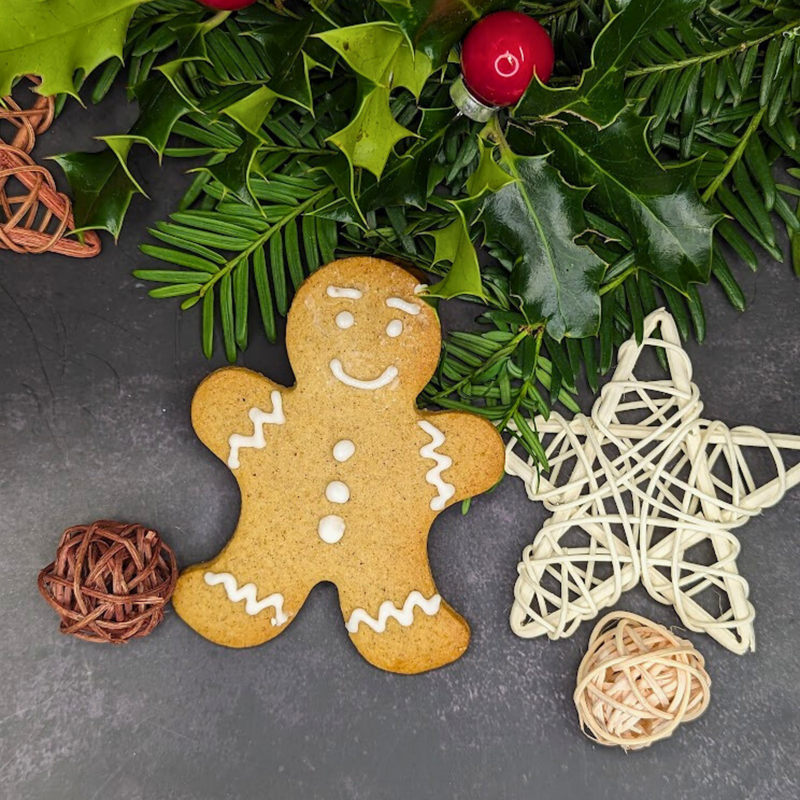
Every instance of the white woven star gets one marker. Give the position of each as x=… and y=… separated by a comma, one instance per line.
x=645, y=489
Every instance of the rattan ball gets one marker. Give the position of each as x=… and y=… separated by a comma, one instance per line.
x=110, y=581
x=638, y=682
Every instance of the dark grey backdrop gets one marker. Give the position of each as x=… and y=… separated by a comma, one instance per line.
x=95, y=383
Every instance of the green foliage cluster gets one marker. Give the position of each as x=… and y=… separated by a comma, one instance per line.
x=327, y=128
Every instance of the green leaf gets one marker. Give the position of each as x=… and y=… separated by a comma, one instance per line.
x=383, y=59
x=283, y=38
x=379, y=52
x=226, y=315
x=435, y=27
x=208, y=322
x=599, y=96
x=175, y=290
x=453, y=244
x=235, y=171
x=537, y=218
x=405, y=180
x=160, y=107
x=369, y=139
x=102, y=187
x=55, y=38
x=489, y=175
x=251, y=111
x=170, y=276
x=660, y=208
x=103, y=194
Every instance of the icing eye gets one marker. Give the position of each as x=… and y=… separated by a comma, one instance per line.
x=345, y=320
x=394, y=328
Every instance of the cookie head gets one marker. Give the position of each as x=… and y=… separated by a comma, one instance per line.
x=359, y=325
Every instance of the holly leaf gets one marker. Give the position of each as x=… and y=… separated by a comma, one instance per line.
x=405, y=181
x=251, y=111
x=160, y=107
x=660, y=208
x=382, y=58
x=379, y=52
x=369, y=139
x=283, y=39
x=599, y=96
x=537, y=218
x=103, y=194
x=434, y=27
x=54, y=38
x=235, y=170
x=489, y=176
x=453, y=243
x=102, y=187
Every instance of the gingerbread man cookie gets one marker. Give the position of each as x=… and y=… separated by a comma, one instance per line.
x=341, y=476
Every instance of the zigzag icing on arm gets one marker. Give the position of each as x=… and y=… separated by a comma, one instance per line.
x=434, y=475
x=248, y=592
x=388, y=610
x=259, y=418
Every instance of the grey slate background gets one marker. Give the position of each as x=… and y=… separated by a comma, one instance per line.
x=95, y=383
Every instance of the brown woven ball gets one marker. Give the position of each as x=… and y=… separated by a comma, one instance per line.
x=110, y=581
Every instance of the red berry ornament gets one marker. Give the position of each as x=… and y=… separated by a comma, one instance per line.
x=499, y=57
x=226, y=5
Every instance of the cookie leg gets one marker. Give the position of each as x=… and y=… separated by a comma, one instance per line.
x=236, y=606
x=407, y=631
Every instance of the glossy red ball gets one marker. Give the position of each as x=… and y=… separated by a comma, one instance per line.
x=500, y=55
x=226, y=5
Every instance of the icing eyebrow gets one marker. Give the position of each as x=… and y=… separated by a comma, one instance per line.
x=402, y=305
x=345, y=291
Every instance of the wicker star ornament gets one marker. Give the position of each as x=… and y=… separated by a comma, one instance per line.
x=646, y=489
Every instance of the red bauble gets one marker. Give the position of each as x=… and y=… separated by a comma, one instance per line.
x=500, y=55
x=226, y=5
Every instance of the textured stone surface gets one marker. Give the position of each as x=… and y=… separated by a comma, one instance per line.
x=95, y=383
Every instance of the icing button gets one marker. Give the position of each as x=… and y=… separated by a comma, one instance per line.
x=343, y=450
x=337, y=492
x=331, y=529
x=394, y=328
x=345, y=320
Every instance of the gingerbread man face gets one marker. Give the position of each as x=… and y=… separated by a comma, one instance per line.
x=341, y=476
x=380, y=339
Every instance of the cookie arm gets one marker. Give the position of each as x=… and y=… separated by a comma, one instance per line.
x=476, y=450
x=222, y=403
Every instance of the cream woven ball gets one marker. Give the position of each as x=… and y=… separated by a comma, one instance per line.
x=638, y=682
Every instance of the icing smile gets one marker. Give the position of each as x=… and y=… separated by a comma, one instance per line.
x=384, y=379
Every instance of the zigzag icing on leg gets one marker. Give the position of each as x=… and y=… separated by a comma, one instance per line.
x=248, y=592
x=388, y=610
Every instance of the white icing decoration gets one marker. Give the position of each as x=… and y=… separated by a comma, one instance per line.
x=248, y=592
x=331, y=529
x=403, y=305
x=394, y=328
x=404, y=615
x=259, y=419
x=434, y=475
x=345, y=291
x=345, y=320
x=385, y=378
x=420, y=288
x=343, y=450
x=337, y=492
